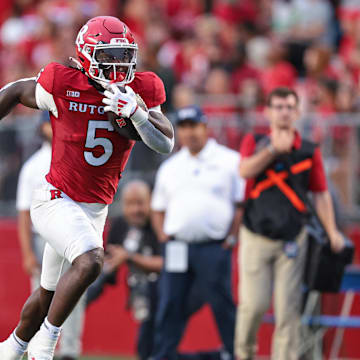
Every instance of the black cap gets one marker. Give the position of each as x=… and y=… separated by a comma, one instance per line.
x=190, y=113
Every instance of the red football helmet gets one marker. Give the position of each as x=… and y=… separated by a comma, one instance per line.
x=107, y=50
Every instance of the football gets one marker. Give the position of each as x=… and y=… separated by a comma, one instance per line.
x=124, y=126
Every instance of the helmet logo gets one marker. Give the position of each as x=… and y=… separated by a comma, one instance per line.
x=91, y=39
x=119, y=41
x=80, y=38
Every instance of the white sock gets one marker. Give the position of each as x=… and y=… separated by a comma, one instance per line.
x=16, y=343
x=52, y=330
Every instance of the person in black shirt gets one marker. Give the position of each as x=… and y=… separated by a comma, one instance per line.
x=281, y=168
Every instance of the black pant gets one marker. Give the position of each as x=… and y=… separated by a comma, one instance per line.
x=145, y=340
x=210, y=269
x=145, y=343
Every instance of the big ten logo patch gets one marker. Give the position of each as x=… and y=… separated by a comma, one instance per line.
x=72, y=93
x=121, y=122
x=55, y=194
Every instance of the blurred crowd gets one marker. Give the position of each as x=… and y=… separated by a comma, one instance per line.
x=227, y=53
x=216, y=47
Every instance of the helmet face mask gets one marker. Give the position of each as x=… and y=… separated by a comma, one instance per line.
x=113, y=63
x=107, y=51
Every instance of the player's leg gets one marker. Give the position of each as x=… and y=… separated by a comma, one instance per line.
x=70, y=288
x=84, y=270
x=74, y=230
x=32, y=315
x=44, y=341
x=85, y=253
x=70, y=344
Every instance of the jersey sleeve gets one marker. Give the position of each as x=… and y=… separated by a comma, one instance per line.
x=45, y=89
x=318, y=181
x=46, y=77
x=154, y=94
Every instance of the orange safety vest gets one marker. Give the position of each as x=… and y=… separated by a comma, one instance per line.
x=277, y=179
x=275, y=207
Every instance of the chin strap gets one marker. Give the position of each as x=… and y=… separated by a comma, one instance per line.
x=100, y=86
x=77, y=63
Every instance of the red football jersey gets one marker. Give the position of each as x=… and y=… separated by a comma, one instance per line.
x=88, y=155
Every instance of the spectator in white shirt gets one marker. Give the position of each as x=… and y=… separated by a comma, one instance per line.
x=195, y=214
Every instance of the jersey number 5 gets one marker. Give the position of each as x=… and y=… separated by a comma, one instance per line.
x=92, y=141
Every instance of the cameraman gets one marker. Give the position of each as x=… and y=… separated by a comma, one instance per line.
x=281, y=168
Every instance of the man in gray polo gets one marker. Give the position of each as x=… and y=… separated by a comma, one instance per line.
x=195, y=214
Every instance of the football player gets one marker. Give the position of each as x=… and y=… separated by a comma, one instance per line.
x=88, y=157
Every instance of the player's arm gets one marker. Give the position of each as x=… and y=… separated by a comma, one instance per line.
x=17, y=92
x=161, y=122
x=154, y=129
